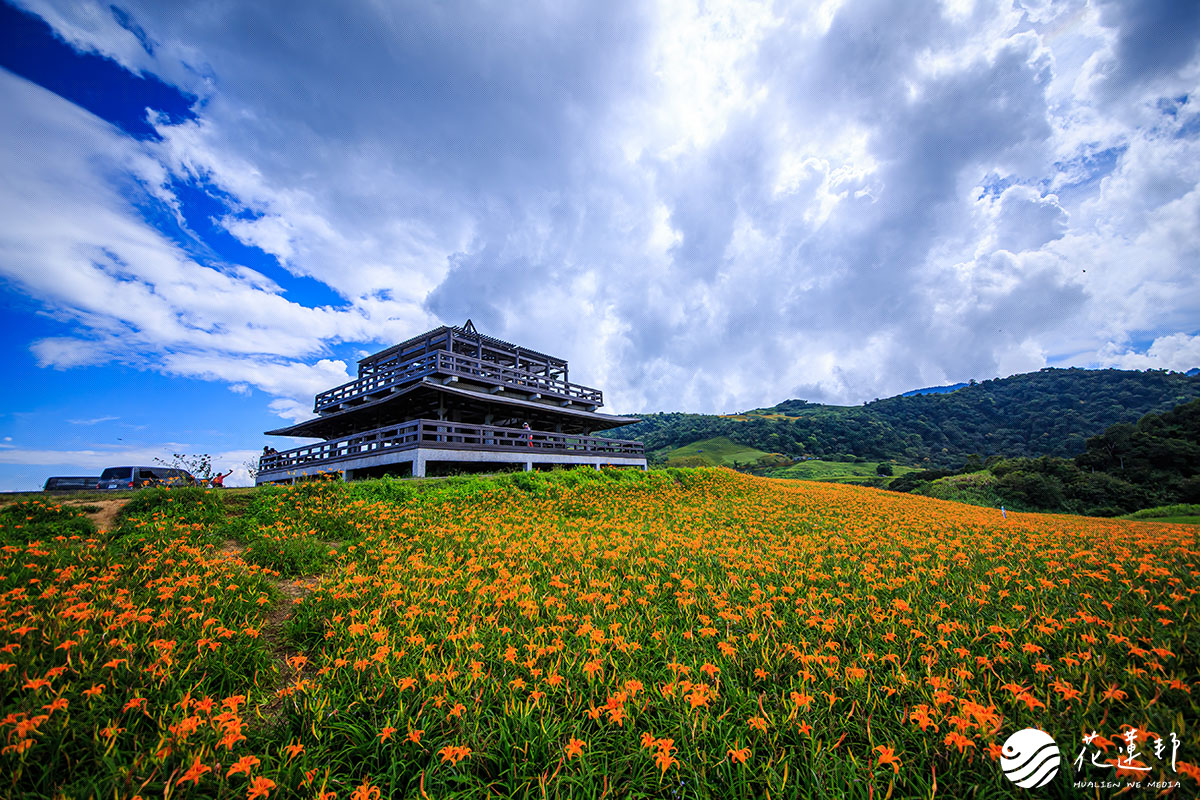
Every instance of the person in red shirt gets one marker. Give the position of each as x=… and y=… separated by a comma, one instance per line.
x=218, y=480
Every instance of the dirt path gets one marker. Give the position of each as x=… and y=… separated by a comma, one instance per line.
x=106, y=516
x=294, y=591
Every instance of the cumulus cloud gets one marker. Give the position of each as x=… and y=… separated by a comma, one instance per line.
x=704, y=206
x=1025, y=219
x=73, y=240
x=1153, y=42
x=1178, y=352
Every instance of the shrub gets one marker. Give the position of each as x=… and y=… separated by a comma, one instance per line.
x=976, y=488
x=1031, y=490
x=184, y=503
x=911, y=480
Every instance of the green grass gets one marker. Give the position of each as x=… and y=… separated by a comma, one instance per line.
x=1175, y=512
x=62, y=497
x=32, y=520
x=837, y=471
x=718, y=452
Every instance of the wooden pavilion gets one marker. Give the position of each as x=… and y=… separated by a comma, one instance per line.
x=452, y=395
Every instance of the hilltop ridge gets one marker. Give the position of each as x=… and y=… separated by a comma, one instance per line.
x=1050, y=412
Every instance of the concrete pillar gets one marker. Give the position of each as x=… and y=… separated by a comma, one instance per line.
x=529, y=466
x=418, y=466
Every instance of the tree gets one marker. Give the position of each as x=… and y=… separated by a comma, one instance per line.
x=884, y=469
x=199, y=465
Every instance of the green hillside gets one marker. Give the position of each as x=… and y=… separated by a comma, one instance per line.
x=862, y=473
x=1176, y=513
x=719, y=452
x=1153, y=465
x=1050, y=412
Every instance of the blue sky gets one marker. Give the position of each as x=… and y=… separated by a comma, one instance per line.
x=208, y=216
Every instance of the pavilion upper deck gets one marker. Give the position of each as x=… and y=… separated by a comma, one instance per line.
x=466, y=341
x=460, y=354
x=449, y=366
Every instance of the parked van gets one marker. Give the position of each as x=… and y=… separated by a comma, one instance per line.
x=137, y=477
x=62, y=483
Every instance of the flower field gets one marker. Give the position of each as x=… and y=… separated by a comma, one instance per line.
x=676, y=634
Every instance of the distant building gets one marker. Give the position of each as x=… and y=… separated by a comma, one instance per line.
x=452, y=395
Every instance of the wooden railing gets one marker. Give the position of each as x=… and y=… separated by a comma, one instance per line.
x=452, y=364
x=448, y=436
x=373, y=383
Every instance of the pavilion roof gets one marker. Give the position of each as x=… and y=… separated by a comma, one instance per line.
x=465, y=331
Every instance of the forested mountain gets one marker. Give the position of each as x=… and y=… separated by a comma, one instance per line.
x=1155, y=462
x=1051, y=412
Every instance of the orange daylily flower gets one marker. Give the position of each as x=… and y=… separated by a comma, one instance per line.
x=243, y=765
x=574, y=748
x=260, y=787
x=887, y=755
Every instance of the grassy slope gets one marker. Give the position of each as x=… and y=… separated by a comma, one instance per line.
x=1192, y=519
x=841, y=472
x=811, y=628
x=1180, y=513
x=718, y=452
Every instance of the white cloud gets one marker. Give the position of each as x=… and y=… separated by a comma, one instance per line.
x=284, y=379
x=74, y=241
x=1178, y=352
x=704, y=206
x=293, y=410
